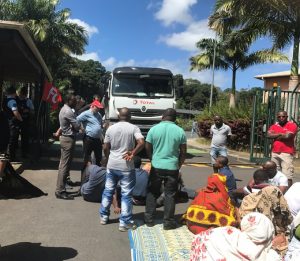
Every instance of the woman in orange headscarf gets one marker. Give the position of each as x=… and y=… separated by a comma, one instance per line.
x=212, y=207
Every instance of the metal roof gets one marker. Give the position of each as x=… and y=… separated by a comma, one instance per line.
x=20, y=58
x=272, y=75
x=141, y=70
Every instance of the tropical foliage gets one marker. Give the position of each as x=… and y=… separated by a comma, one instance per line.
x=55, y=36
x=195, y=95
x=231, y=54
x=277, y=19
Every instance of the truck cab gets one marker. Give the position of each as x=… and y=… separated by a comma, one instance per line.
x=146, y=92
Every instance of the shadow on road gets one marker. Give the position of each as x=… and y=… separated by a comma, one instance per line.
x=13, y=186
x=49, y=159
x=27, y=251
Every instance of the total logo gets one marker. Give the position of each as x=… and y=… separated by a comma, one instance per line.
x=143, y=102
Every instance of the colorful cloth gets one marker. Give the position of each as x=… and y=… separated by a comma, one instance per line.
x=270, y=202
x=212, y=207
x=252, y=242
x=155, y=243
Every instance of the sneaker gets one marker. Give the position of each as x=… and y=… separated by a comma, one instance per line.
x=103, y=220
x=126, y=227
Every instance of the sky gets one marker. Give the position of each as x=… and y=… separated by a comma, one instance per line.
x=157, y=33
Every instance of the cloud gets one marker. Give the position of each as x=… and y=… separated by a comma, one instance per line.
x=112, y=62
x=175, y=11
x=187, y=39
x=177, y=67
x=88, y=56
x=221, y=80
x=90, y=29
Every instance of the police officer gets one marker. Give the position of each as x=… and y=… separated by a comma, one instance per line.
x=26, y=110
x=14, y=117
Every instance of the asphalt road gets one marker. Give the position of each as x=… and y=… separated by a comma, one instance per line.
x=50, y=229
x=46, y=228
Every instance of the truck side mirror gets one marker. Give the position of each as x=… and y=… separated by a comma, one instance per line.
x=102, y=90
x=180, y=81
x=180, y=91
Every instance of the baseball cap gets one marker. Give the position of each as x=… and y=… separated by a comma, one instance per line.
x=97, y=104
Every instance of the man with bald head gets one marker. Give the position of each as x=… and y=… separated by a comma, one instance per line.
x=122, y=142
x=276, y=177
x=166, y=149
x=219, y=133
x=283, y=133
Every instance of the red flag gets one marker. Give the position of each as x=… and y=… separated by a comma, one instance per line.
x=52, y=95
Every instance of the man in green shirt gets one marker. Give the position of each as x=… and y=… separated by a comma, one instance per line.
x=166, y=149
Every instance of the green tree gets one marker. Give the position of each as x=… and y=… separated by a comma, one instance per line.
x=54, y=35
x=195, y=95
x=231, y=54
x=278, y=19
x=87, y=78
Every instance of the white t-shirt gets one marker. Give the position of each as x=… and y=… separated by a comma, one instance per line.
x=219, y=136
x=122, y=137
x=279, y=180
x=292, y=197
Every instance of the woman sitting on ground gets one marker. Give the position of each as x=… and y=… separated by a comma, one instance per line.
x=293, y=252
x=270, y=201
x=212, y=207
x=252, y=242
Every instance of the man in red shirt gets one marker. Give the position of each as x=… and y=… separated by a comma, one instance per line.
x=283, y=132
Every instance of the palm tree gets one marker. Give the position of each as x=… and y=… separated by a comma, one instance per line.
x=279, y=19
x=231, y=55
x=53, y=34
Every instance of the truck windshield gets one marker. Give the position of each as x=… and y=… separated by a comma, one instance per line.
x=142, y=86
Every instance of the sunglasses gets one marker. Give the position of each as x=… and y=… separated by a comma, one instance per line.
x=281, y=116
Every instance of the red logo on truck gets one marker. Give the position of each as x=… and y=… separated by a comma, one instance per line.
x=143, y=102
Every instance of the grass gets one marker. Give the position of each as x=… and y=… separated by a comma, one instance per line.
x=203, y=141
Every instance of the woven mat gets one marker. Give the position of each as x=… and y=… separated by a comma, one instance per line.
x=154, y=243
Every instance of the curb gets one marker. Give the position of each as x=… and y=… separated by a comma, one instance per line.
x=237, y=157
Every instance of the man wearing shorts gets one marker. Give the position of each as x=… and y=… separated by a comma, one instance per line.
x=283, y=133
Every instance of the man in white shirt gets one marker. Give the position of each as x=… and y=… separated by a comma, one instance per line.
x=292, y=197
x=219, y=133
x=276, y=177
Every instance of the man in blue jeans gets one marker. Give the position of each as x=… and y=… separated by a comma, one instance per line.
x=122, y=142
x=166, y=148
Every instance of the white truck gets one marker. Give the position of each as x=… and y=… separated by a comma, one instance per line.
x=146, y=92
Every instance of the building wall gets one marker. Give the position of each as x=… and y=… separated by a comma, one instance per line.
x=282, y=82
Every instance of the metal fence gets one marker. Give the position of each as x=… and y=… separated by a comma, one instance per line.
x=266, y=105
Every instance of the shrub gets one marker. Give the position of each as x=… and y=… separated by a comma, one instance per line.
x=186, y=124
x=239, y=120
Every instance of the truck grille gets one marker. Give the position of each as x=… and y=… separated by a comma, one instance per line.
x=147, y=113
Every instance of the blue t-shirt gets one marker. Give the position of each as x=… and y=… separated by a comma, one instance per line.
x=94, y=184
x=230, y=179
x=12, y=104
x=92, y=123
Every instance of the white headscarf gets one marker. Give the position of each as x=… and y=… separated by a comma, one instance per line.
x=252, y=243
x=293, y=252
